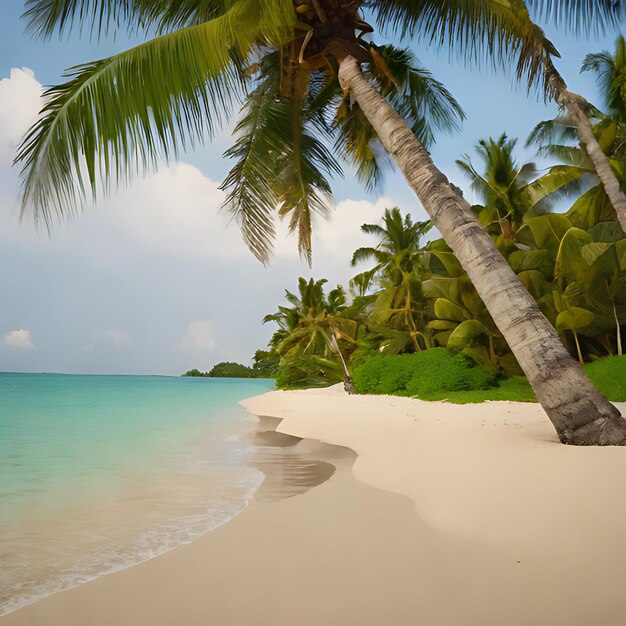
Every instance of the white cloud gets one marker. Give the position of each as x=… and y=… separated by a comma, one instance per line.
x=20, y=103
x=19, y=339
x=199, y=337
x=176, y=212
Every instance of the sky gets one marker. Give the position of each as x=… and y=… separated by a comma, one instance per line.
x=154, y=279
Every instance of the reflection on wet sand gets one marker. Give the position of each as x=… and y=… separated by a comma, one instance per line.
x=292, y=465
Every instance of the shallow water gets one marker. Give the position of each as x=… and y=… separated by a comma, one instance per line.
x=100, y=472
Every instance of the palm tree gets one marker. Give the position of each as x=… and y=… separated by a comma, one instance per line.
x=505, y=188
x=315, y=325
x=554, y=138
x=577, y=107
x=610, y=71
x=284, y=58
x=400, y=308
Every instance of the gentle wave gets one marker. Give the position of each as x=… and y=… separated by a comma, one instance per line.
x=154, y=542
x=99, y=501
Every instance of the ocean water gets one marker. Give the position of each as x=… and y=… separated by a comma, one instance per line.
x=101, y=472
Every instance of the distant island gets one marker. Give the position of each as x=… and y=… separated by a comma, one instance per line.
x=265, y=366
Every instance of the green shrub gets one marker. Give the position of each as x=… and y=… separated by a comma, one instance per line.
x=609, y=376
x=425, y=374
x=306, y=371
x=386, y=374
x=231, y=370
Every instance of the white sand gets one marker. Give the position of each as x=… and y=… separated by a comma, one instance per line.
x=504, y=527
x=494, y=475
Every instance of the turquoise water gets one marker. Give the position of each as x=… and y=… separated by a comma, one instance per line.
x=100, y=472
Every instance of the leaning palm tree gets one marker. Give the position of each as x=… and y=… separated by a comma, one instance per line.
x=555, y=137
x=308, y=74
x=541, y=53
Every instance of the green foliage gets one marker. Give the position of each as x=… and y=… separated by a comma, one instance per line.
x=424, y=374
x=317, y=334
x=609, y=376
x=514, y=389
x=265, y=363
x=196, y=373
x=306, y=371
x=231, y=370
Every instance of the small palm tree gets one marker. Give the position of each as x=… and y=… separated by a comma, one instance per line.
x=316, y=325
x=503, y=186
x=308, y=74
x=400, y=308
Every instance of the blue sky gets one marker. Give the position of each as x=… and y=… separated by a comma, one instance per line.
x=154, y=280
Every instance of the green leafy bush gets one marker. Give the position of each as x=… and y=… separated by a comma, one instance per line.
x=306, y=371
x=231, y=370
x=426, y=374
x=609, y=376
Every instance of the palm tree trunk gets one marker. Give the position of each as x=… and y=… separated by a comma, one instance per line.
x=576, y=106
x=580, y=413
x=348, y=383
x=619, y=332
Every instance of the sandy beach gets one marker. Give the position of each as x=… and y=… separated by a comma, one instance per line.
x=418, y=513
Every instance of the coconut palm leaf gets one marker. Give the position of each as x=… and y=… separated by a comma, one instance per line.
x=303, y=189
x=100, y=16
x=423, y=102
x=558, y=130
x=581, y=15
x=103, y=17
x=122, y=114
x=500, y=31
x=280, y=164
x=610, y=71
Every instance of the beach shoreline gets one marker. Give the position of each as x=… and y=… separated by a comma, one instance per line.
x=435, y=513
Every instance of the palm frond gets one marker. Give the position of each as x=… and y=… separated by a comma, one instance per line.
x=572, y=155
x=558, y=130
x=357, y=142
x=365, y=254
x=44, y=17
x=421, y=100
x=581, y=15
x=374, y=229
x=501, y=32
x=251, y=197
x=103, y=17
x=610, y=71
x=561, y=181
x=122, y=114
x=281, y=164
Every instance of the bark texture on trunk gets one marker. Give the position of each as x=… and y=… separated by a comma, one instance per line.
x=576, y=106
x=579, y=412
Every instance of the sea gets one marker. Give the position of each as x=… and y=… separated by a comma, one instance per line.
x=98, y=473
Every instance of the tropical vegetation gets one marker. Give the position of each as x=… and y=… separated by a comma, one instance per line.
x=310, y=76
x=415, y=299
x=229, y=369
